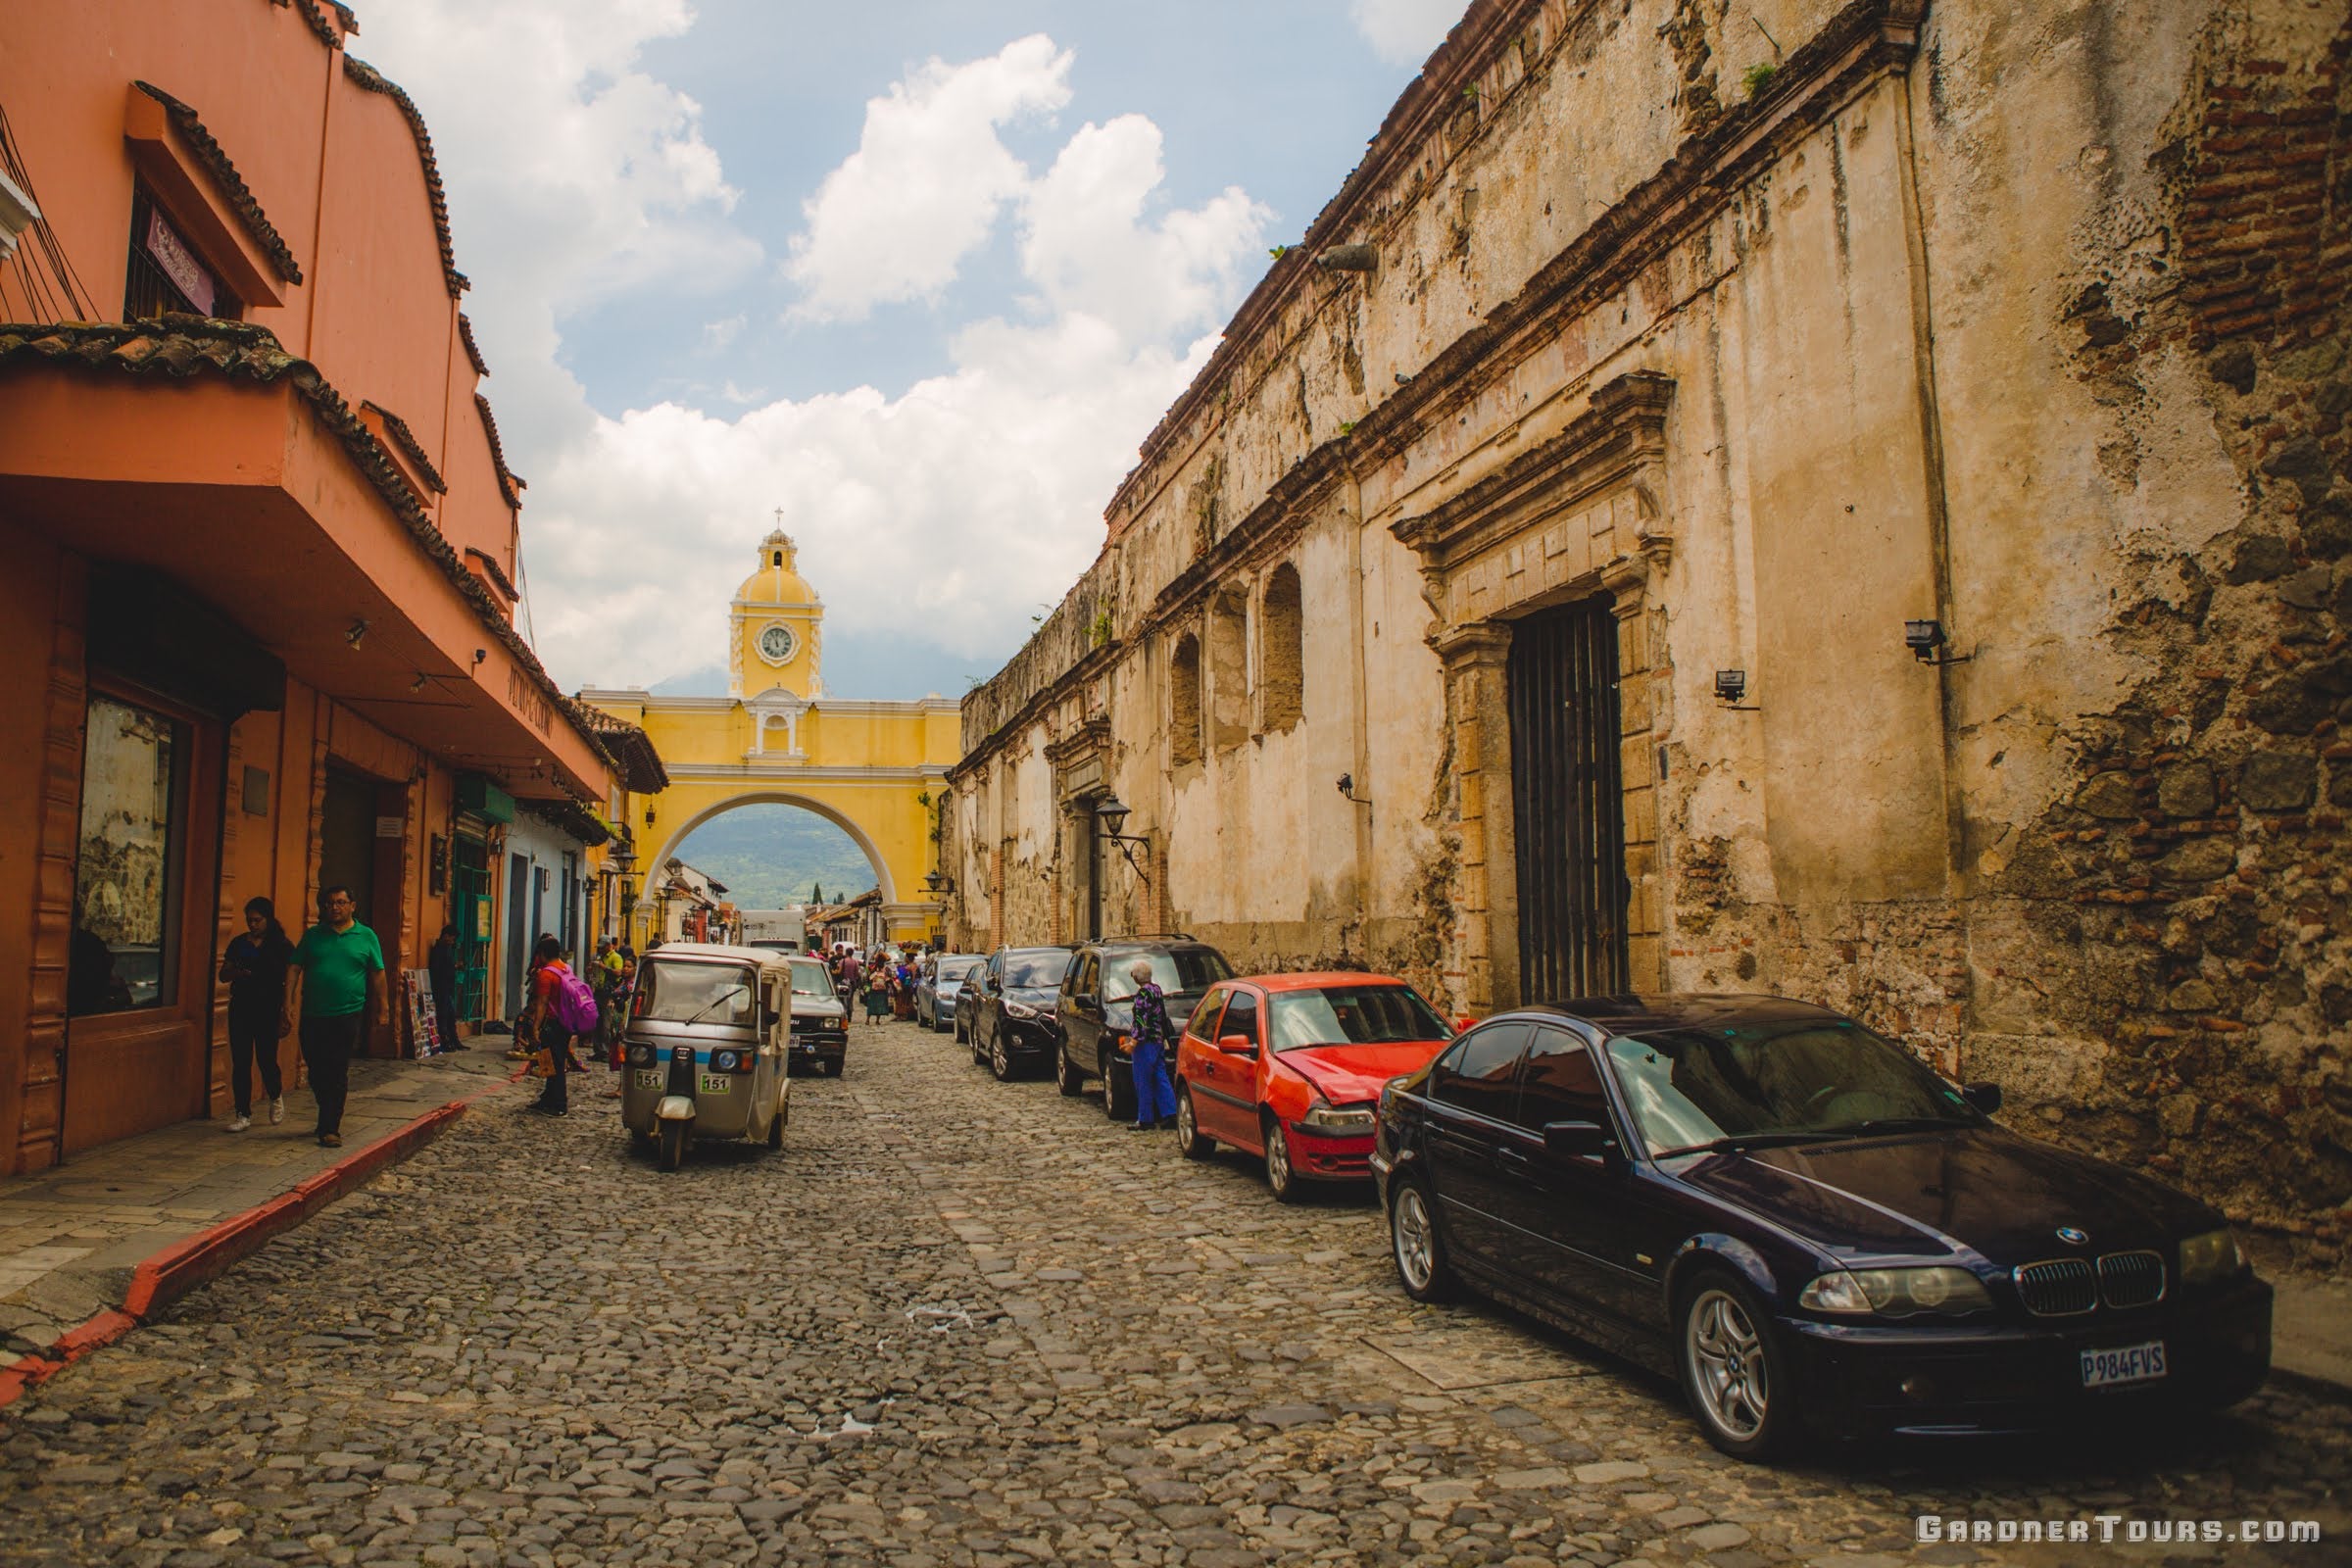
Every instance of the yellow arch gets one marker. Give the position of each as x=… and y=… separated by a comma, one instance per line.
x=883, y=877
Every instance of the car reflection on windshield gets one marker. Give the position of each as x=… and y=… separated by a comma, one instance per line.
x=1698, y=1090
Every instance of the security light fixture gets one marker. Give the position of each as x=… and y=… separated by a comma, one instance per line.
x=357, y=633
x=1729, y=686
x=1924, y=637
x=1348, y=788
x=416, y=685
x=480, y=654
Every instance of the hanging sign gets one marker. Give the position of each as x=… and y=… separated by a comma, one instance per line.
x=180, y=264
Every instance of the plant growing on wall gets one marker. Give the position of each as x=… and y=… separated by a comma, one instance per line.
x=1758, y=77
x=1098, y=632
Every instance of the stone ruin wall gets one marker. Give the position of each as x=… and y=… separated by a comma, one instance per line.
x=2145, y=935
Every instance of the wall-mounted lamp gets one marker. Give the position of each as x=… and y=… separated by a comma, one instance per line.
x=416, y=685
x=1348, y=788
x=940, y=884
x=1109, y=817
x=1924, y=637
x=649, y=816
x=480, y=654
x=1729, y=686
x=357, y=633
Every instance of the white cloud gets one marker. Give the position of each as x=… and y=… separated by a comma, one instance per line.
x=943, y=515
x=574, y=177
x=927, y=181
x=1404, y=32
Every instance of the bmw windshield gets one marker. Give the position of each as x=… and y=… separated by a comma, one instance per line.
x=1697, y=1090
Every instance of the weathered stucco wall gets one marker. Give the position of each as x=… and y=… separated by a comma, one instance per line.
x=2028, y=324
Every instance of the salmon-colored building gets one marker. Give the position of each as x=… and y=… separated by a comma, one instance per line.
x=261, y=543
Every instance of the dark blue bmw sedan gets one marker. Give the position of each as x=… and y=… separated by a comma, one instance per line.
x=1813, y=1231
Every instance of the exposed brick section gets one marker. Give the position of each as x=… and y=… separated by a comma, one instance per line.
x=2267, y=250
x=233, y=187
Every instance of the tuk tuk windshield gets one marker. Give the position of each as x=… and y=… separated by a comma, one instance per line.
x=684, y=992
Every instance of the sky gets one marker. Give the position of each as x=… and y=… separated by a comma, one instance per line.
x=918, y=274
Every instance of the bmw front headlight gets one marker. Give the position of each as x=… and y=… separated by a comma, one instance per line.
x=2211, y=1258
x=1020, y=1010
x=1896, y=1292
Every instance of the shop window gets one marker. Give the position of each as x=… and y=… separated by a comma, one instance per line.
x=1281, y=653
x=1184, y=702
x=125, y=875
x=166, y=273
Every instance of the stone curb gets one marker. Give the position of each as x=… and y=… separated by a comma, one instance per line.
x=169, y=1275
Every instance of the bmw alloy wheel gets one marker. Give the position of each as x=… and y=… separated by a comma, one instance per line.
x=1415, y=1243
x=1725, y=1356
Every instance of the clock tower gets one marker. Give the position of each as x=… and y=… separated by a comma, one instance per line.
x=774, y=627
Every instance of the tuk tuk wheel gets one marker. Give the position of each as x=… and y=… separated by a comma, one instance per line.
x=775, y=1129
x=673, y=1145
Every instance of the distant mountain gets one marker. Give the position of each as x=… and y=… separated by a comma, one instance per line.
x=770, y=857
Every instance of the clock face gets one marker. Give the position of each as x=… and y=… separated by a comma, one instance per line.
x=776, y=644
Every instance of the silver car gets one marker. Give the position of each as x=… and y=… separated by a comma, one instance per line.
x=935, y=992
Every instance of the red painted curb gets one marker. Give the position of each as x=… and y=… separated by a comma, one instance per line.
x=168, y=1275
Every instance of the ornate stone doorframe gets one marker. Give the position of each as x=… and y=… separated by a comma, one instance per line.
x=1577, y=515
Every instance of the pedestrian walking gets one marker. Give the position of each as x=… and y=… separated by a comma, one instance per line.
x=902, y=989
x=441, y=966
x=335, y=987
x=877, y=992
x=1154, y=1094
x=254, y=968
x=542, y=1025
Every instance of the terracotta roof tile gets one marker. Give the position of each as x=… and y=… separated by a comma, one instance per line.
x=318, y=23
x=506, y=481
x=241, y=199
x=413, y=449
x=641, y=764
x=185, y=346
x=474, y=350
x=374, y=80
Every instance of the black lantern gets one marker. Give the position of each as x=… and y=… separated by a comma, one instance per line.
x=1112, y=815
x=1924, y=639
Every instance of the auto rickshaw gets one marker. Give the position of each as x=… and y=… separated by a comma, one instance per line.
x=704, y=1052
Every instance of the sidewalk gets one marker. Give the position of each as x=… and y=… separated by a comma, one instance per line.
x=74, y=1238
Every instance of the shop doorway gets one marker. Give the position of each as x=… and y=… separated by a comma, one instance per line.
x=469, y=906
x=347, y=843
x=1568, y=803
x=518, y=928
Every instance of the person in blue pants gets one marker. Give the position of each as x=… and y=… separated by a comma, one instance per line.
x=1154, y=1094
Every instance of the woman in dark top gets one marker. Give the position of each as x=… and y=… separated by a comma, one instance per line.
x=255, y=968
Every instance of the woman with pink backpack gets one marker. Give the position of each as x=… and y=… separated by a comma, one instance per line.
x=561, y=1008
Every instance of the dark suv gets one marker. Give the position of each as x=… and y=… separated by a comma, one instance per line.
x=1097, y=1008
x=1013, y=1021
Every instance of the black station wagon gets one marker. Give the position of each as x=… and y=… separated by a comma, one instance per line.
x=1812, y=1229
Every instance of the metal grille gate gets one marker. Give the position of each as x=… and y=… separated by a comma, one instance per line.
x=1569, y=805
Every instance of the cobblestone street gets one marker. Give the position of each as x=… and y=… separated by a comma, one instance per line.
x=959, y=1322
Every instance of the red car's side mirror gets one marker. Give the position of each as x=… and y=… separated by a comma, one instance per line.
x=1238, y=1045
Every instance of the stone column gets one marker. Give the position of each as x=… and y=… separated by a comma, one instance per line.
x=1477, y=661
x=1642, y=691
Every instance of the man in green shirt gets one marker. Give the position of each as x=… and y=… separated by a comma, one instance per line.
x=335, y=988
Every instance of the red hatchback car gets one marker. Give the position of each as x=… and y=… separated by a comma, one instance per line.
x=1289, y=1066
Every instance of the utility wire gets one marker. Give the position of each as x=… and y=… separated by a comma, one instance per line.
x=45, y=240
